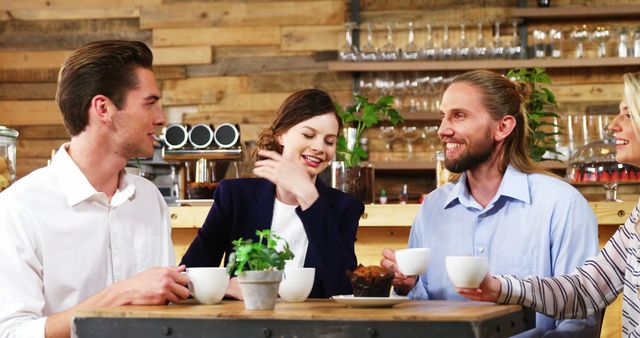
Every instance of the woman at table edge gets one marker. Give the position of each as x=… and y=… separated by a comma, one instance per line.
x=597, y=283
x=318, y=222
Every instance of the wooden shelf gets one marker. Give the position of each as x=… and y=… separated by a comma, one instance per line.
x=340, y=66
x=576, y=12
x=430, y=165
x=398, y=214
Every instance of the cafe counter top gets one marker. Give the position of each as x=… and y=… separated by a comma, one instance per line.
x=312, y=318
x=395, y=215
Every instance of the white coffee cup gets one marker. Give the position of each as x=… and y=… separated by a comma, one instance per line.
x=413, y=261
x=296, y=284
x=208, y=285
x=466, y=271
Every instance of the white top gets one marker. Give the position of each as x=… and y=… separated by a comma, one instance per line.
x=287, y=224
x=61, y=241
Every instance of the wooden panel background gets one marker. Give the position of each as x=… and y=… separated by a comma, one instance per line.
x=235, y=61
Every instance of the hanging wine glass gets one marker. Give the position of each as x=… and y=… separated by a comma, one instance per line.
x=480, y=46
x=429, y=49
x=368, y=51
x=463, y=51
x=348, y=52
x=446, y=51
x=580, y=35
x=389, y=52
x=515, y=50
x=601, y=35
x=410, y=50
x=497, y=50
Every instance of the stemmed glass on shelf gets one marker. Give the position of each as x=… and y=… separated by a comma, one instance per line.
x=514, y=49
x=446, y=51
x=388, y=135
x=368, y=51
x=349, y=52
x=497, y=50
x=463, y=51
x=410, y=50
x=580, y=35
x=428, y=50
x=410, y=134
x=601, y=35
x=480, y=48
x=389, y=52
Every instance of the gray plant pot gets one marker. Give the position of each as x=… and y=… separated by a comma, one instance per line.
x=260, y=289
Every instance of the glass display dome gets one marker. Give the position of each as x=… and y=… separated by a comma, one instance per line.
x=595, y=164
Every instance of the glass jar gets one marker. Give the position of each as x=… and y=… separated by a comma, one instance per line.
x=7, y=156
x=595, y=164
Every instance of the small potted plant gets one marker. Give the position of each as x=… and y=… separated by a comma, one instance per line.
x=259, y=268
x=348, y=174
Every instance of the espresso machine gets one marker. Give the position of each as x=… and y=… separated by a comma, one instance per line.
x=203, y=153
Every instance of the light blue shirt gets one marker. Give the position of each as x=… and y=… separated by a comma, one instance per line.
x=535, y=225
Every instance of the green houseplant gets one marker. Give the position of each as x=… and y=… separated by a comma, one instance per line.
x=541, y=105
x=348, y=174
x=259, y=268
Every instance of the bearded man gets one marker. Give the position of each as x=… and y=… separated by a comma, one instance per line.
x=502, y=206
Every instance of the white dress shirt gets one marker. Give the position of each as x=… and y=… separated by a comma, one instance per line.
x=286, y=224
x=61, y=241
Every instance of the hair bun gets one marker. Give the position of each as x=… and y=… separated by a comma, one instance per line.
x=524, y=90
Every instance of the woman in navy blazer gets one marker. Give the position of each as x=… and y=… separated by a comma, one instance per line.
x=300, y=144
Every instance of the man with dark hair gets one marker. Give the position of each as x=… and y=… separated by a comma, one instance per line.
x=502, y=206
x=81, y=232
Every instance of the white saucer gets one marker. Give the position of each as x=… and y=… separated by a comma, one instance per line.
x=369, y=301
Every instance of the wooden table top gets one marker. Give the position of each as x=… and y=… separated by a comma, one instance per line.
x=314, y=309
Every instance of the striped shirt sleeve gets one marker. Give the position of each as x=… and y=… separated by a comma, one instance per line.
x=589, y=289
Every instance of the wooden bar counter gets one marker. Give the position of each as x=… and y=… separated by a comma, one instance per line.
x=312, y=318
x=387, y=226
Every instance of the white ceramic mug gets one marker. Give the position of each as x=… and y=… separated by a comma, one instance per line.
x=296, y=284
x=413, y=261
x=466, y=271
x=208, y=285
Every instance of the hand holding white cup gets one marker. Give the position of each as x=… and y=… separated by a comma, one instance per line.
x=208, y=285
x=466, y=271
x=296, y=284
x=413, y=261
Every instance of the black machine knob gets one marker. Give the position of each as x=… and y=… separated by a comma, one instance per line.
x=176, y=136
x=226, y=135
x=201, y=136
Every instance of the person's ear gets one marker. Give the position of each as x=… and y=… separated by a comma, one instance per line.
x=505, y=128
x=100, y=105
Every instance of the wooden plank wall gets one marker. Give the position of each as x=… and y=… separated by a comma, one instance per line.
x=236, y=61
x=233, y=61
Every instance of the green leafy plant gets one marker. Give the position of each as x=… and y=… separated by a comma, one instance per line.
x=259, y=256
x=541, y=106
x=362, y=115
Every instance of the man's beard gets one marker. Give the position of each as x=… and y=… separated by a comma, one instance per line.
x=473, y=156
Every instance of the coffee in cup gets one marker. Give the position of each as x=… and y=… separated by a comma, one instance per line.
x=296, y=284
x=466, y=271
x=413, y=261
x=208, y=285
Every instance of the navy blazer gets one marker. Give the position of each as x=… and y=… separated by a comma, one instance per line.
x=244, y=205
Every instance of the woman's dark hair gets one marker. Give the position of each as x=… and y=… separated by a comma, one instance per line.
x=98, y=68
x=300, y=106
